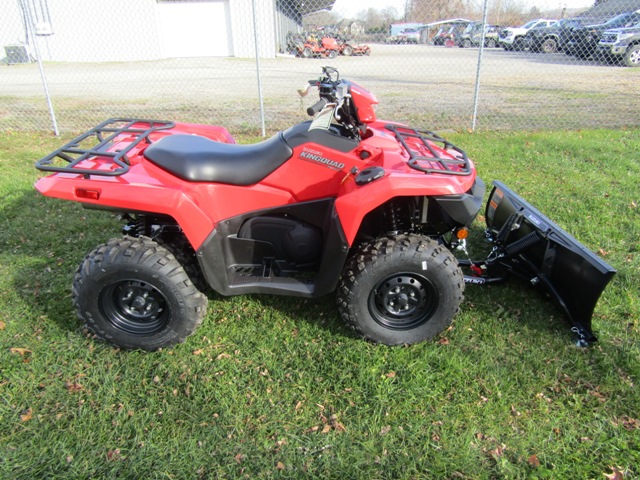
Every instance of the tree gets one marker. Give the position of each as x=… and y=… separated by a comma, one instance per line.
x=320, y=18
x=376, y=21
x=427, y=11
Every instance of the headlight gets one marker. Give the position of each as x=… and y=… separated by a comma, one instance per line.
x=624, y=36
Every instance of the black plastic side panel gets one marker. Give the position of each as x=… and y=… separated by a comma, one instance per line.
x=541, y=250
x=223, y=249
x=463, y=208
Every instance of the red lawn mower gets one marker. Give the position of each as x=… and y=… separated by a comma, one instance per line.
x=327, y=47
x=344, y=203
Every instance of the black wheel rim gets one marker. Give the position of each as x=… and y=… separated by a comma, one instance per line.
x=403, y=301
x=135, y=307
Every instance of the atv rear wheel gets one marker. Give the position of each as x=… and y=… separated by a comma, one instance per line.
x=400, y=290
x=133, y=293
x=347, y=51
x=307, y=52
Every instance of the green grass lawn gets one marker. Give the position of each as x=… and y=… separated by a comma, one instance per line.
x=274, y=387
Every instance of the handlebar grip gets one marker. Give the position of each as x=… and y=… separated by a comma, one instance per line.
x=317, y=107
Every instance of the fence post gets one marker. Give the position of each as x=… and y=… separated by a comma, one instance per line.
x=476, y=93
x=260, y=95
x=31, y=35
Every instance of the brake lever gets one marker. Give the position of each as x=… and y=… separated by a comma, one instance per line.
x=338, y=104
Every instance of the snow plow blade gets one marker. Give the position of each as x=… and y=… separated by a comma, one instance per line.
x=531, y=246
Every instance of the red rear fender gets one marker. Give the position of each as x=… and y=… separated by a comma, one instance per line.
x=196, y=207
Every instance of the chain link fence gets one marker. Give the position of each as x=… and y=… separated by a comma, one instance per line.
x=484, y=64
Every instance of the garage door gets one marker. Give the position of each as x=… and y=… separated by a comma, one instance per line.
x=195, y=28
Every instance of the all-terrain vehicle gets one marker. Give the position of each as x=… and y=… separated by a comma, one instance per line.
x=449, y=31
x=344, y=203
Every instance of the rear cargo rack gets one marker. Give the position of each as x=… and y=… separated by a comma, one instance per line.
x=68, y=158
x=455, y=164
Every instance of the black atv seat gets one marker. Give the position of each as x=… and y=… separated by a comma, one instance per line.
x=199, y=159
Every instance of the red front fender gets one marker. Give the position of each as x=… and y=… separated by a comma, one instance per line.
x=357, y=201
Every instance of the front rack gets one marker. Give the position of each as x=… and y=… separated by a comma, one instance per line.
x=67, y=159
x=436, y=163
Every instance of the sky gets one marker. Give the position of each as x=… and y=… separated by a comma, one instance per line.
x=349, y=8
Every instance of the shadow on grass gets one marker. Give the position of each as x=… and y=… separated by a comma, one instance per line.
x=514, y=300
x=42, y=242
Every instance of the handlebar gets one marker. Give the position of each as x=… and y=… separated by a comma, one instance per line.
x=317, y=107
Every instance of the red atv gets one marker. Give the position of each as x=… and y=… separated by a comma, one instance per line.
x=372, y=210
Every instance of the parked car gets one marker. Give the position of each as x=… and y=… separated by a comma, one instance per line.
x=472, y=35
x=410, y=35
x=583, y=41
x=621, y=45
x=549, y=39
x=512, y=38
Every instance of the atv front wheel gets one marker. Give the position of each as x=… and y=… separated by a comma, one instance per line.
x=133, y=293
x=400, y=290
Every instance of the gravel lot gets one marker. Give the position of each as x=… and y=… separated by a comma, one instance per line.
x=418, y=84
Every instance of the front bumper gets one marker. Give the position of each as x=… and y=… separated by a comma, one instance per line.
x=612, y=50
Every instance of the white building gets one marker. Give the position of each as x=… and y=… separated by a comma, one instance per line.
x=127, y=30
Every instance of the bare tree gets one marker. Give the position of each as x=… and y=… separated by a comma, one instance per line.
x=321, y=18
x=432, y=10
x=376, y=21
